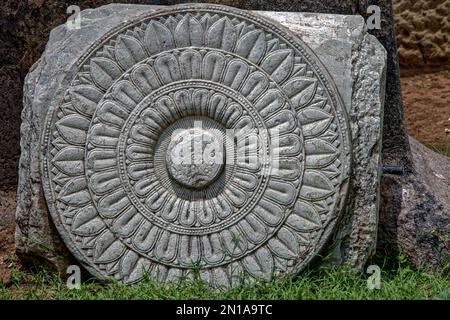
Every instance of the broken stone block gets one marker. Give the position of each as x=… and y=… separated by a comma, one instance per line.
x=167, y=139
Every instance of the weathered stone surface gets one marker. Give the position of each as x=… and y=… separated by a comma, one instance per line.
x=36, y=237
x=356, y=48
x=398, y=214
x=357, y=63
x=356, y=239
x=27, y=24
x=419, y=229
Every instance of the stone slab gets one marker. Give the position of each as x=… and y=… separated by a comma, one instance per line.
x=344, y=46
x=341, y=42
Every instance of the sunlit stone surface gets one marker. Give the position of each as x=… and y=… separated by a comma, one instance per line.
x=133, y=185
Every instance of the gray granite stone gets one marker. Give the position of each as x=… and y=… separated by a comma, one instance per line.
x=415, y=212
x=355, y=61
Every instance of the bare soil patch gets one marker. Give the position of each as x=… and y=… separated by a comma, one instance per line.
x=7, y=212
x=426, y=99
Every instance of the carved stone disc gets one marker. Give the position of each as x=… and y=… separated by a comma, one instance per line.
x=200, y=137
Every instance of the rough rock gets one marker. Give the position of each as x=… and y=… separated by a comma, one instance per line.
x=415, y=211
x=36, y=237
x=25, y=28
x=360, y=84
x=357, y=63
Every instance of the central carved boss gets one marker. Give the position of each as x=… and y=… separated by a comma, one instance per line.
x=194, y=157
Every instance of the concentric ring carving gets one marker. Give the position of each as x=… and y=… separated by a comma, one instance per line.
x=122, y=203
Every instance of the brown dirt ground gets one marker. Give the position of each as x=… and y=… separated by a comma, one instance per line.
x=7, y=211
x=426, y=99
x=427, y=112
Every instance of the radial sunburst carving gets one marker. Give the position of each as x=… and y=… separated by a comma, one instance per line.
x=144, y=95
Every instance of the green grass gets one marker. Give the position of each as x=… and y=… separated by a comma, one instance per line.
x=325, y=283
x=447, y=74
x=424, y=84
x=441, y=149
x=446, y=152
